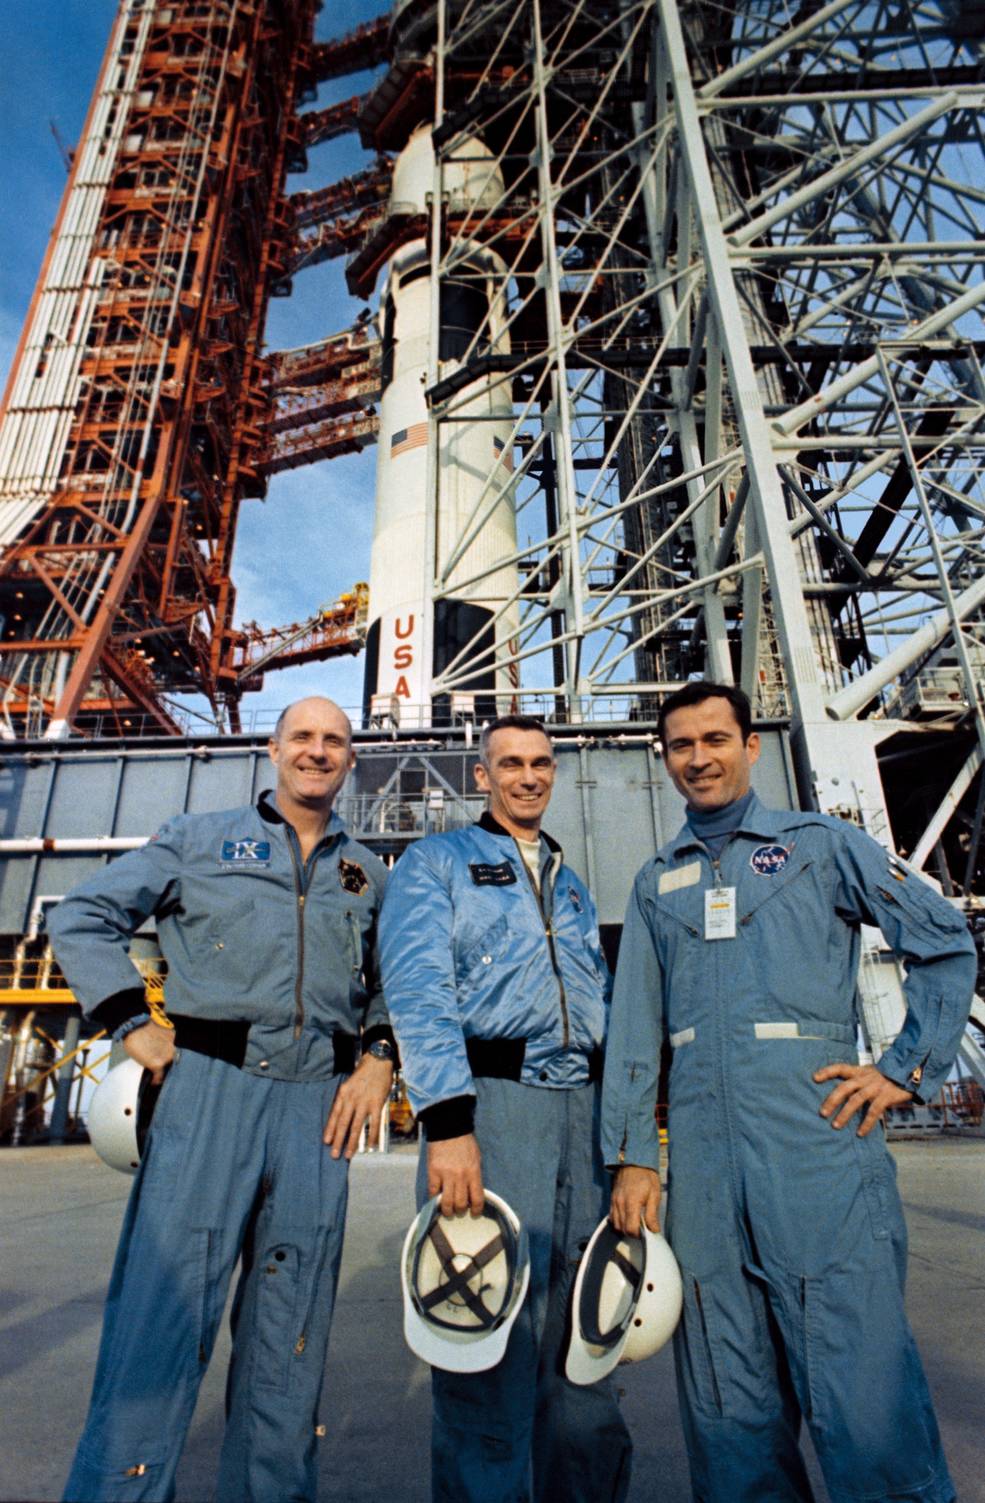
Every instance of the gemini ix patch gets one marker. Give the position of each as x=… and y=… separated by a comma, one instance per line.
x=353, y=878
x=768, y=860
x=244, y=853
x=485, y=875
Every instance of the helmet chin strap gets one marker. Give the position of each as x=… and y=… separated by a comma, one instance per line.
x=608, y=1250
x=457, y=1280
x=627, y=1300
x=464, y=1279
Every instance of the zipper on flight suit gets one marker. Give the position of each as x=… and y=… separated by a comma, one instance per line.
x=716, y=861
x=302, y=880
x=549, y=934
x=723, y=1084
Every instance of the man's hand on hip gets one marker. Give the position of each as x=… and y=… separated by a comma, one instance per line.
x=862, y=1086
x=635, y=1194
x=359, y=1099
x=455, y=1173
x=153, y=1047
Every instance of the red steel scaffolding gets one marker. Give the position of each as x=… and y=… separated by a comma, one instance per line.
x=140, y=411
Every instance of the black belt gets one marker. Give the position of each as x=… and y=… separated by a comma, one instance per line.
x=502, y=1059
x=225, y=1039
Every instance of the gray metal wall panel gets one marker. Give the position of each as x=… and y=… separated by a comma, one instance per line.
x=623, y=816
x=23, y=794
x=83, y=799
x=221, y=783
x=150, y=788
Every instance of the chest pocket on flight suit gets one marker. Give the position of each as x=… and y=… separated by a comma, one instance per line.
x=680, y=949
x=235, y=919
x=482, y=955
x=355, y=939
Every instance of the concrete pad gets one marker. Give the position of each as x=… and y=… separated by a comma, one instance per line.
x=62, y=1211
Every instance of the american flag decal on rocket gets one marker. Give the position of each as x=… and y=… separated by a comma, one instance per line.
x=408, y=438
x=502, y=453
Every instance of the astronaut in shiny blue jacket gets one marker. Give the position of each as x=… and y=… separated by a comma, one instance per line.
x=498, y=993
x=741, y=950
x=266, y=916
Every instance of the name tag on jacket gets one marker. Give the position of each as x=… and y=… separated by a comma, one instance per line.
x=484, y=875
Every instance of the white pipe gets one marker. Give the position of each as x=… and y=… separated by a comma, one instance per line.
x=38, y=907
x=782, y=43
x=866, y=369
x=42, y=846
x=949, y=803
x=856, y=695
x=843, y=169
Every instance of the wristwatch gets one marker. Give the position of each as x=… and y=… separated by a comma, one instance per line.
x=381, y=1049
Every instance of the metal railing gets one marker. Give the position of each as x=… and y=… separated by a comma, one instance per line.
x=38, y=979
x=637, y=705
x=368, y=814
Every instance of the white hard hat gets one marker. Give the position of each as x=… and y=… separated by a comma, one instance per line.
x=626, y=1303
x=464, y=1279
x=119, y=1115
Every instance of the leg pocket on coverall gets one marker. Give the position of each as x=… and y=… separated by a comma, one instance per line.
x=208, y=1245
x=165, y=1149
x=875, y=1167
x=698, y=1348
x=276, y=1316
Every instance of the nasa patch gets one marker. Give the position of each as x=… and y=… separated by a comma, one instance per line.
x=767, y=860
x=244, y=853
x=575, y=900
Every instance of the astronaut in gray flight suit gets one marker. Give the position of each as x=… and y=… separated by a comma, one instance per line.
x=267, y=920
x=741, y=949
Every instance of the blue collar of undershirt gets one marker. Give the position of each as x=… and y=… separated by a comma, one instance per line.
x=713, y=826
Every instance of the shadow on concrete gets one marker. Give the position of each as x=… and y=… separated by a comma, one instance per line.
x=48, y=1332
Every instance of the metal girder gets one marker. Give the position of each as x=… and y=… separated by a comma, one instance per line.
x=134, y=412
x=745, y=327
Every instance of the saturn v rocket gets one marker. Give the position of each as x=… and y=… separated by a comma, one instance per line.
x=443, y=570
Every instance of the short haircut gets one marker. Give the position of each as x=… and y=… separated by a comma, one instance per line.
x=507, y=723
x=279, y=726
x=695, y=694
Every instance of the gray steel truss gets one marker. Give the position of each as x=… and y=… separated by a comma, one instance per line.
x=741, y=250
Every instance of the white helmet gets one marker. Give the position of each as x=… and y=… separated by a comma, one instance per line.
x=464, y=1279
x=626, y=1303
x=120, y=1113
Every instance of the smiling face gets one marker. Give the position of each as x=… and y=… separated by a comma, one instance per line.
x=518, y=776
x=312, y=753
x=706, y=756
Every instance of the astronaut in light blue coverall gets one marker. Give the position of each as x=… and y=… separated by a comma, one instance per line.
x=498, y=993
x=266, y=917
x=741, y=949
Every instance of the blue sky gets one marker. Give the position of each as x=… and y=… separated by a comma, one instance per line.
x=310, y=539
